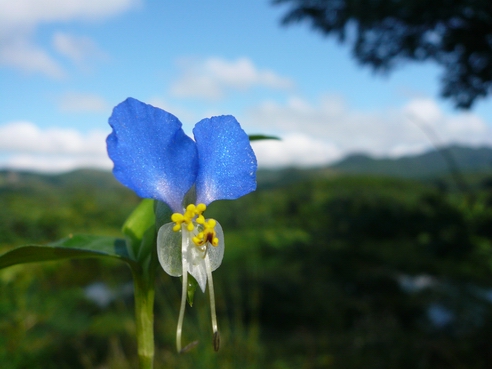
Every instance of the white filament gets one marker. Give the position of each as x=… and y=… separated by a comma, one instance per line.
x=184, y=291
x=211, y=294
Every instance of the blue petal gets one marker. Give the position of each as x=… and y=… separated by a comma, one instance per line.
x=226, y=161
x=151, y=153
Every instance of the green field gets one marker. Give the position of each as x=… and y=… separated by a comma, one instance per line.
x=322, y=270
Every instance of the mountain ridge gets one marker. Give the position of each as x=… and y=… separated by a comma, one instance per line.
x=434, y=164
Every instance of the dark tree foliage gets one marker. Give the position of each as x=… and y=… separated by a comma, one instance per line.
x=456, y=34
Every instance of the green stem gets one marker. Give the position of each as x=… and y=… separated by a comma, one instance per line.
x=144, y=316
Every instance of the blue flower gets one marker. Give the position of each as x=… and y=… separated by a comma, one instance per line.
x=155, y=158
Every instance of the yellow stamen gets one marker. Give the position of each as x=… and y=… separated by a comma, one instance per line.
x=204, y=235
x=192, y=216
x=207, y=235
x=188, y=216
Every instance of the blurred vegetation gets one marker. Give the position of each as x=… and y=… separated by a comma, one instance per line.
x=321, y=271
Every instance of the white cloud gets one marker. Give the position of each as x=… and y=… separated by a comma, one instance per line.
x=79, y=102
x=29, y=13
x=79, y=49
x=19, y=20
x=340, y=130
x=27, y=137
x=465, y=127
x=212, y=78
x=54, y=163
x=21, y=54
x=295, y=149
x=313, y=134
x=23, y=145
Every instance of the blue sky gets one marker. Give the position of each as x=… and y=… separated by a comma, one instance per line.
x=65, y=63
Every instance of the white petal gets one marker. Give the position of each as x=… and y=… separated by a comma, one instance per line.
x=171, y=246
x=195, y=260
x=216, y=253
x=169, y=250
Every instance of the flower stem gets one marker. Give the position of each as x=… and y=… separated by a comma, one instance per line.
x=215, y=329
x=179, y=328
x=144, y=316
x=184, y=266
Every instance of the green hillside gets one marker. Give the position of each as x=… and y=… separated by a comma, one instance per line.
x=430, y=164
x=451, y=167
x=321, y=270
x=471, y=162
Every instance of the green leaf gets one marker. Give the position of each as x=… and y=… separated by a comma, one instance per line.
x=262, y=137
x=137, y=224
x=140, y=219
x=190, y=289
x=77, y=246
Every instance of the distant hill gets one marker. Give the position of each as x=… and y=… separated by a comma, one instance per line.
x=449, y=164
x=467, y=161
x=76, y=178
x=430, y=164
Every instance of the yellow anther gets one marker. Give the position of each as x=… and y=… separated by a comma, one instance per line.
x=177, y=217
x=207, y=235
x=198, y=239
x=210, y=223
x=191, y=216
